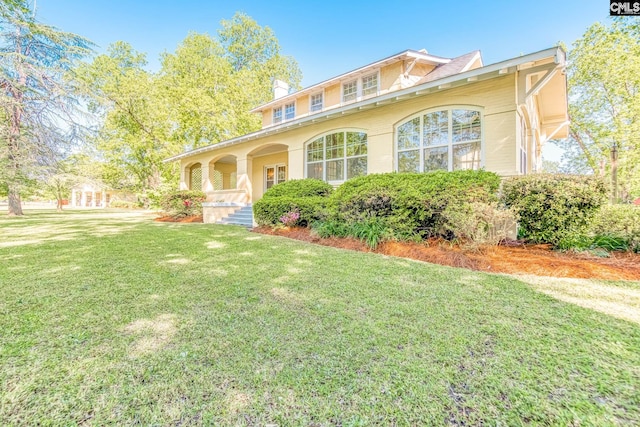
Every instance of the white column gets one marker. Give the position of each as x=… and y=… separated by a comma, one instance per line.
x=184, y=176
x=73, y=198
x=104, y=198
x=93, y=199
x=83, y=199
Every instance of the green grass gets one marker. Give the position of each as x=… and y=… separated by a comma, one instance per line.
x=114, y=319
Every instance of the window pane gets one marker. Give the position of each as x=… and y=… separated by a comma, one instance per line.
x=316, y=102
x=334, y=145
x=356, y=143
x=277, y=115
x=315, y=150
x=466, y=156
x=436, y=159
x=282, y=173
x=436, y=128
x=465, y=125
x=356, y=166
x=314, y=170
x=290, y=111
x=349, y=91
x=409, y=134
x=335, y=170
x=409, y=161
x=370, y=84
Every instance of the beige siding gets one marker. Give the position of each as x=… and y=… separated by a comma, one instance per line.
x=390, y=77
x=332, y=96
x=495, y=97
x=302, y=106
x=267, y=117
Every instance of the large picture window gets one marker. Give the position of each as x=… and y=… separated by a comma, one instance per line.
x=446, y=139
x=337, y=156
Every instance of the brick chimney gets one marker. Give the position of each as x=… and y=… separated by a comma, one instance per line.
x=280, y=89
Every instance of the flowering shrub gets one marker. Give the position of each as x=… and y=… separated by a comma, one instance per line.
x=290, y=218
x=184, y=203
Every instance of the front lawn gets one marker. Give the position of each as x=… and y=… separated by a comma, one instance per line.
x=111, y=318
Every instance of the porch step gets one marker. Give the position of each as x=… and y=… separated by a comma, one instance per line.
x=243, y=217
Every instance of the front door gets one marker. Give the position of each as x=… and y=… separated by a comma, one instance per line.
x=274, y=175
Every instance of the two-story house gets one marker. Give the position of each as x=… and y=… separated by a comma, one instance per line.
x=410, y=112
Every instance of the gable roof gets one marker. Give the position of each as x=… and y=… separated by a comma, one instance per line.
x=455, y=66
x=418, y=55
x=498, y=69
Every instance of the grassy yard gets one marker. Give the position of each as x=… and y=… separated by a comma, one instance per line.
x=114, y=319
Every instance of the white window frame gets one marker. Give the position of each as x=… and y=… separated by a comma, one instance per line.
x=321, y=95
x=291, y=104
x=344, y=157
x=375, y=74
x=356, y=94
x=450, y=144
x=275, y=167
x=277, y=118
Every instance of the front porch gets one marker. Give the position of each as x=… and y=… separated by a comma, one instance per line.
x=233, y=182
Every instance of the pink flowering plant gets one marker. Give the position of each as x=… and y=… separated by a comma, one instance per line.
x=290, y=219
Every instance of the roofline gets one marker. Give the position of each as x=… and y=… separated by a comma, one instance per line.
x=497, y=69
x=434, y=60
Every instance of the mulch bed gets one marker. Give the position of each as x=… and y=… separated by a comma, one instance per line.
x=513, y=258
x=197, y=218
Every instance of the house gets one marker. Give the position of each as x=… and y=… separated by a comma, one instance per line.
x=92, y=194
x=409, y=112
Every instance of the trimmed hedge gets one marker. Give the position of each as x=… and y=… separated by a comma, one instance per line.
x=411, y=204
x=553, y=207
x=183, y=203
x=308, y=197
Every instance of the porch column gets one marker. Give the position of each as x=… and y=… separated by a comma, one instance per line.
x=295, y=163
x=73, y=198
x=207, y=185
x=93, y=199
x=83, y=199
x=244, y=168
x=184, y=175
x=104, y=198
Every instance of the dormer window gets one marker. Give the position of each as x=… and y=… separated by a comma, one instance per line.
x=277, y=115
x=370, y=84
x=290, y=111
x=316, y=102
x=350, y=91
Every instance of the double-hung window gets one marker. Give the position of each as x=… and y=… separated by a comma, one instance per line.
x=290, y=111
x=370, y=84
x=316, y=102
x=277, y=115
x=350, y=91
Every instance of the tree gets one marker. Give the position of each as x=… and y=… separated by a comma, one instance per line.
x=38, y=114
x=134, y=137
x=604, y=96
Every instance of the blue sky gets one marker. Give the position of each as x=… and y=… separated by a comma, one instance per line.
x=330, y=37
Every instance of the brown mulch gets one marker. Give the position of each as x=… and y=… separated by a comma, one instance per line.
x=197, y=218
x=513, y=258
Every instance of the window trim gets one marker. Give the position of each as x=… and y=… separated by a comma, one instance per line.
x=289, y=104
x=377, y=91
x=311, y=110
x=360, y=87
x=450, y=144
x=275, y=167
x=273, y=117
x=357, y=92
x=344, y=157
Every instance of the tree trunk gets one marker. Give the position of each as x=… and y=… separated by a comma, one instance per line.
x=15, y=206
x=59, y=206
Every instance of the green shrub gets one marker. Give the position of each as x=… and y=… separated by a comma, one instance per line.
x=479, y=223
x=183, y=203
x=371, y=231
x=621, y=221
x=308, y=187
x=553, y=207
x=330, y=228
x=307, y=197
x=269, y=210
x=411, y=204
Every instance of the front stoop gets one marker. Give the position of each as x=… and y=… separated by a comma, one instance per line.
x=243, y=217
